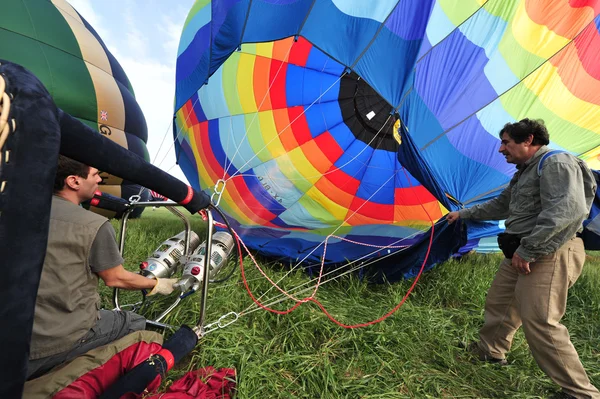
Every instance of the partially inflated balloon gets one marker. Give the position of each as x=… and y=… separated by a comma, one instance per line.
x=292, y=103
x=55, y=43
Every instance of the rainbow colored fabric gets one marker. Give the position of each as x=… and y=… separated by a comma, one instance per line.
x=293, y=104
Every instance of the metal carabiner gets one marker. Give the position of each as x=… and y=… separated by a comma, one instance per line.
x=218, y=192
x=220, y=323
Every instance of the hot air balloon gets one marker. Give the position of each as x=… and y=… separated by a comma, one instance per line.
x=84, y=79
x=361, y=123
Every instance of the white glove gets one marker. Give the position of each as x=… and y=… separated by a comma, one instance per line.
x=164, y=286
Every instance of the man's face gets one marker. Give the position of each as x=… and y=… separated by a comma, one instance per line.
x=517, y=153
x=89, y=185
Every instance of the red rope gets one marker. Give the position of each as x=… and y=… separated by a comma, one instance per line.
x=319, y=304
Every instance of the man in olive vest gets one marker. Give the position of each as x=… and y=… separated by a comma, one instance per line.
x=81, y=247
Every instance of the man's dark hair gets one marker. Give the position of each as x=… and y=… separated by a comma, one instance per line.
x=67, y=167
x=520, y=131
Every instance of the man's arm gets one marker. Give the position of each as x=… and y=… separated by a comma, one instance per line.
x=494, y=209
x=118, y=277
x=106, y=261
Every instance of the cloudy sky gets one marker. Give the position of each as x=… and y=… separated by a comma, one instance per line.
x=143, y=35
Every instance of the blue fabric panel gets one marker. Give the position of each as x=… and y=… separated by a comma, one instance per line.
x=466, y=179
x=388, y=71
x=228, y=35
x=245, y=158
x=452, y=82
x=343, y=137
x=473, y=141
x=288, y=14
x=220, y=17
x=355, y=159
x=461, y=177
x=409, y=19
x=187, y=163
x=319, y=61
x=377, y=10
x=325, y=22
x=375, y=185
x=415, y=114
x=201, y=19
x=278, y=184
x=305, y=86
x=323, y=116
x=192, y=67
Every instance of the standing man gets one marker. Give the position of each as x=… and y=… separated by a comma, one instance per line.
x=81, y=247
x=544, y=256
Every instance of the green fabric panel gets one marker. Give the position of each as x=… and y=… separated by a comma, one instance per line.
x=35, y=35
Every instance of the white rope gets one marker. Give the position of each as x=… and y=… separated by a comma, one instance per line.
x=178, y=132
x=352, y=267
x=295, y=267
x=226, y=170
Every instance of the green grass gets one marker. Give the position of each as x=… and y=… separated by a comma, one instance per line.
x=412, y=354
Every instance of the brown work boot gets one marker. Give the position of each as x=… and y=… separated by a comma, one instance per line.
x=476, y=351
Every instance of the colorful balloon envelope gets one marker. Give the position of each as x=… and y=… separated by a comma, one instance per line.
x=368, y=120
x=55, y=43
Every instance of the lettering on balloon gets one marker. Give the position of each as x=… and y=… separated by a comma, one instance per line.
x=105, y=130
x=269, y=189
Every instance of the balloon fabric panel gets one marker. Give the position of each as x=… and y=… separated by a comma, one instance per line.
x=296, y=113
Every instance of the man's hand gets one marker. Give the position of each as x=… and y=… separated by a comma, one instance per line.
x=520, y=264
x=164, y=286
x=452, y=217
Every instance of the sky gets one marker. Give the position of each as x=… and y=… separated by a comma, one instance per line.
x=143, y=35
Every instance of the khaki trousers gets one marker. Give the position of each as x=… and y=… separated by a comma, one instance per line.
x=538, y=301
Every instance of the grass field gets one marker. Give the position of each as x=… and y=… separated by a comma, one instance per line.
x=412, y=354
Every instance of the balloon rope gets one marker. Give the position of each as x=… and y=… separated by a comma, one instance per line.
x=303, y=178
x=285, y=128
x=319, y=246
x=351, y=267
x=239, y=145
x=5, y=127
x=311, y=298
x=179, y=131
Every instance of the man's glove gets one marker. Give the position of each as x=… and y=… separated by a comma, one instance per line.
x=164, y=286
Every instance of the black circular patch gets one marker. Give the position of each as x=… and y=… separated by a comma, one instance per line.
x=366, y=113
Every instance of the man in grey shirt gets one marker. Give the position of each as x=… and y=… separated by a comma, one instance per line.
x=81, y=249
x=544, y=212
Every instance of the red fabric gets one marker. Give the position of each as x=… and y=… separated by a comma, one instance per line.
x=93, y=383
x=205, y=383
x=168, y=356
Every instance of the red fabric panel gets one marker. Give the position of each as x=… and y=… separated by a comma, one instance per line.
x=205, y=383
x=95, y=382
